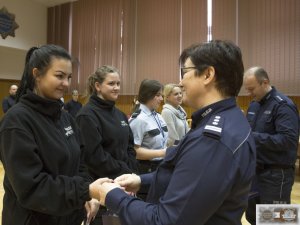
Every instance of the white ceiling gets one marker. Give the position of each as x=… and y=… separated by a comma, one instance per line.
x=50, y=3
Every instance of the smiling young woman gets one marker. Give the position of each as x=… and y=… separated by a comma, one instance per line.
x=45, y=182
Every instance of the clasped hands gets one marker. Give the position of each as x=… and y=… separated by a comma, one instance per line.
x=130, y=183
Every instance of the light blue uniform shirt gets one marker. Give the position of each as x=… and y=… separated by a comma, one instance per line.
x=149, y=129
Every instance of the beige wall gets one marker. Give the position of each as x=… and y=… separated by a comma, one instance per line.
x=32, y=20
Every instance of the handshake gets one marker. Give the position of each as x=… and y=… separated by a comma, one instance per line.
x=98, y=190
x=130, y=183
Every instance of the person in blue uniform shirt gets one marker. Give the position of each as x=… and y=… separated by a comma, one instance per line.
x=206, y=178
x=149, y=129
x=9, y=101
x=275, y=124
x=73, y=106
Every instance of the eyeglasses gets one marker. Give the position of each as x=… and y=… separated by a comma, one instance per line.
x=184, y=70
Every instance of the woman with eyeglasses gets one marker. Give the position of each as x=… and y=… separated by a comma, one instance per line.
x=174, y=114
x=205, y=180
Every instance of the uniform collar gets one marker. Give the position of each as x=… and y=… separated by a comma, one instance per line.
x=48, y=107
x=209, y=110
x=272, y=92
x=146, y=110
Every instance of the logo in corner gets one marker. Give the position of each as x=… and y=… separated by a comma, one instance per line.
x=287, y=214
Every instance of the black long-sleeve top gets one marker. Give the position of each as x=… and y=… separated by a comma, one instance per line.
x=107, y=139
x=41, y=155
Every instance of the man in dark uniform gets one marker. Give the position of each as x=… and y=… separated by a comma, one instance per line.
x=73, y=106
x=206, y=178
x=9, y=101
x=275, y=124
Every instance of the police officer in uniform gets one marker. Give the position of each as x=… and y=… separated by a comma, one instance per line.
x=9, y=101
x=275, y=124
x=206, y=178
x=149, y=129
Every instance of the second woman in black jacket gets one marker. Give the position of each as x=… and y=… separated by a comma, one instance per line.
x=105, y=133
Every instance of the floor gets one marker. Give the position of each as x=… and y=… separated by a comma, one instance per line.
x=295, y=192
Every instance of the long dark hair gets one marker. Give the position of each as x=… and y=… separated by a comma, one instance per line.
x=41, y=59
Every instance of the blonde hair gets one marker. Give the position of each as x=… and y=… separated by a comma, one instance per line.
x=168, y=90
x=99, y=76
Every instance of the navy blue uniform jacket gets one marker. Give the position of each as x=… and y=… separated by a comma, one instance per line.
x=204, y=180
x=7, y=103
x=275, y=125
x=73, y=107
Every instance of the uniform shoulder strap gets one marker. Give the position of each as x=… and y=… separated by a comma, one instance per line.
x=135, y=114
x=214, y=127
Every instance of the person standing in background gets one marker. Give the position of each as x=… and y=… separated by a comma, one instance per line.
x=105, y=133
x=149, y=129
x=73, y=106
x=9, y=101
x=173, y=114
x=274, y=120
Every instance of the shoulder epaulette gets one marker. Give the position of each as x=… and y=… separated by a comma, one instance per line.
x=214, y=127
x=136, y=113
x=279, y=99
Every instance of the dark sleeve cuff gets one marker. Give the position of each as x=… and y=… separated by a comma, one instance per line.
x=147, y=178
x=114, y=198
x=85, y=191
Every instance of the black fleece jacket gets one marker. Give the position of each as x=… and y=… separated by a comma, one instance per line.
x=41, y=155
x=107, y=139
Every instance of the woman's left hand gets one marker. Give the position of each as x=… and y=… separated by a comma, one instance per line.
x=92, y=208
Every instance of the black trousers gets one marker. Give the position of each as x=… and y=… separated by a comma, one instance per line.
x=146, y=166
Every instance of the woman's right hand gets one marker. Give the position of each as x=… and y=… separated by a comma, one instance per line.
x=94, y=187
x=131, y=182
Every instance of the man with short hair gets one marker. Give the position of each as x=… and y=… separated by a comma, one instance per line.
x=73, y=106
x=9, y=101
x=274, y=120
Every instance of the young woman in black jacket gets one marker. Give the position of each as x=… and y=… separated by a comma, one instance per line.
x=105, y=133
x=45, y=181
